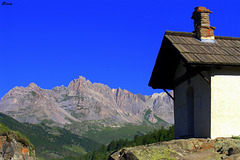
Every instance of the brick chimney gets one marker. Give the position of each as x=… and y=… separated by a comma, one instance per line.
x=202, y=28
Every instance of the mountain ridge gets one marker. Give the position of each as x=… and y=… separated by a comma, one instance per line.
x=82, y=101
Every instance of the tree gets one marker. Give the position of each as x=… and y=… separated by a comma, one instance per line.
x=161, y=138
x=146, y=139
x=88, y=156
x=138, y=140
x=119, y=144
x=103, y=149
x=94, y=156
x=111, y=146
x=152, y=140
x=155, y=135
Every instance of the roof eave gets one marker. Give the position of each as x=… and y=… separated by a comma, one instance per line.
x=212, y=64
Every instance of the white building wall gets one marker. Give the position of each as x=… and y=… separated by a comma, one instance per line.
x=225, y=105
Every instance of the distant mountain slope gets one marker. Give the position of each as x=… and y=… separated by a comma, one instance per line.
x=51, y=142
x=85, y=101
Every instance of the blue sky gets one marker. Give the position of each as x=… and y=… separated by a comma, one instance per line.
x=112, y=42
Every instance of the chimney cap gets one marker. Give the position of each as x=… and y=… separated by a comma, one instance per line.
x=202, y=9
x=202, y=27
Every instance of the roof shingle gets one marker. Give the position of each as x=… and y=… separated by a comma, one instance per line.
x=184, y=46
x=225, y=51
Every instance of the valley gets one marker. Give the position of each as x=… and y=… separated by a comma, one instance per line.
x=82, y=115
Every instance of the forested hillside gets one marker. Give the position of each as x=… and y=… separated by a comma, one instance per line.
x=104, y=152
x=51, y=142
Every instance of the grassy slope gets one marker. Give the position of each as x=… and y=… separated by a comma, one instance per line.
x=108, y=134
x=51, y=142
x=105, y=135
x=3, y=129
x=63, y=142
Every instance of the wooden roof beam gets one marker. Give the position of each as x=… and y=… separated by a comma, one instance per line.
x=169, y=94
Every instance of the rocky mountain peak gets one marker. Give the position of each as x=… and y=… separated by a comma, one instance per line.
x=127, y=92
x=155, y=95
x=83, y=101
x=32, y=85
x=81, y=78
x=79, y=84
x=57, y=88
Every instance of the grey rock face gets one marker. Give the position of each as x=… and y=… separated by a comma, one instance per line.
x=84, y=101
x=14, y=150
x=184, y=149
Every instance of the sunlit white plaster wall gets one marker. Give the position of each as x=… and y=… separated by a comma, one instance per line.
x=225, y=105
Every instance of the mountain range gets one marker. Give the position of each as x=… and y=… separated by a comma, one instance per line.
x=82, y=101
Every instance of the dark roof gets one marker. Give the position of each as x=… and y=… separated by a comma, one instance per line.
x=226, y=50
x=184, y=46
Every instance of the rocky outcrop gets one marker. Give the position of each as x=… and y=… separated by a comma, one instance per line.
x=184, y=149
x=14, y=150
x=85, y=101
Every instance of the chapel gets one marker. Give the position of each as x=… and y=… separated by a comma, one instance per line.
x=203, y=70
